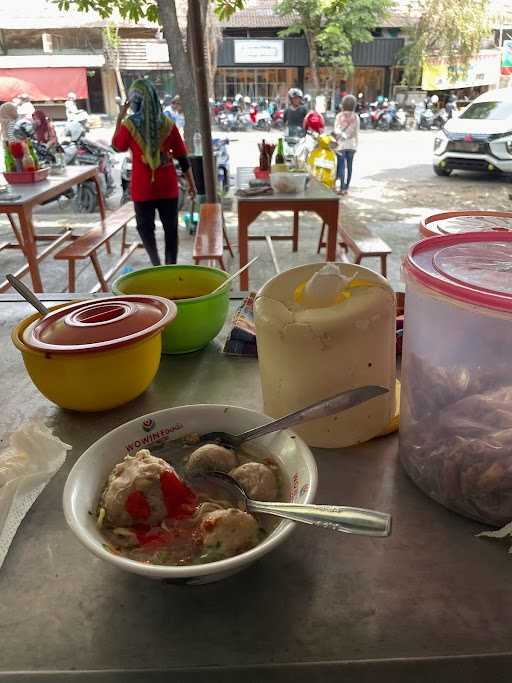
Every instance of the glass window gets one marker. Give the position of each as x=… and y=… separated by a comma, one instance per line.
x=492, y=111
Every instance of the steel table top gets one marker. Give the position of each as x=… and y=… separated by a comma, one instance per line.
x=431, y=603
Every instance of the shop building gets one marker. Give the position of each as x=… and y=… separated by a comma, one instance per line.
x=47, y=53
x=254, y=61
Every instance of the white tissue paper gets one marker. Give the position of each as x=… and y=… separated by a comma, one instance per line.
x=33, y=456
x=499, y=533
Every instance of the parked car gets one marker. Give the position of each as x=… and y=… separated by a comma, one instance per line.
x=480, y=139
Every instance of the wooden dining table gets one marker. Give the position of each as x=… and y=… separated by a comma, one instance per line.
x=429, y=604
x=316, y=198
x=19, y=210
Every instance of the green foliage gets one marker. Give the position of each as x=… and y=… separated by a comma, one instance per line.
x=334, y=25
x=111, y=35
x=135, y=10
x=450, y=29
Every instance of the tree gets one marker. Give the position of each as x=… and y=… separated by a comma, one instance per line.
x=449, y=29
x=330, y=28
x=178, y=41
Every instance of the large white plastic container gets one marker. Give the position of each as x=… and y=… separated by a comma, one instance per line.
x=307, y=354
x=456, y=405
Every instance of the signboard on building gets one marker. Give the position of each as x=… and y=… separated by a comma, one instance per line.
x=259, y=51
x=483, y=70
x=506, y=58
x=157, y=52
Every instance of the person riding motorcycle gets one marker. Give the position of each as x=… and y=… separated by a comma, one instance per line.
x=295, y=113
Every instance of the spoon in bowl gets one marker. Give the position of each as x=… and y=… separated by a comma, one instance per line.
x=348, y=520
x=328, y=406
x=27, y=294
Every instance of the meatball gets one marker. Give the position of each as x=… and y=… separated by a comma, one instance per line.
x=137, y=474
x=211, y=457
x=257, y=480
x=230, y=531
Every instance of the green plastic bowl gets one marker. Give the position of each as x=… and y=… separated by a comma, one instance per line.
x=201, y=315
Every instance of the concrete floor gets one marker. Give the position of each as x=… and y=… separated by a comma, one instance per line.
x=392, y=187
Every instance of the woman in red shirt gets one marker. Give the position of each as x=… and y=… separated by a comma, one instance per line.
x=153, y=140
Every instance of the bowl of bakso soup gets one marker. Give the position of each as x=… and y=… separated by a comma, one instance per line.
x=134, y=498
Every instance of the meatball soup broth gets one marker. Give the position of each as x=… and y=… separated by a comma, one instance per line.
x=102, y=487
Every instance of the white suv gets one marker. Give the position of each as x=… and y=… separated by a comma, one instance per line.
x=480, y=139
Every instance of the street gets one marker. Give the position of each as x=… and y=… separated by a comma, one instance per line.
x=393, y=186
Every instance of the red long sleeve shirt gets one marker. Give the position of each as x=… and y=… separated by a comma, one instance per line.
x=165, y=183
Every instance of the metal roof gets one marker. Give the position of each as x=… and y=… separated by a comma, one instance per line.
x=43, y=14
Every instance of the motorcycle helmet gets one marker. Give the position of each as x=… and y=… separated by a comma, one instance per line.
x=307, y=98
x=295, y=92
x=71, y=96
x=247, y=100
x=434, y=99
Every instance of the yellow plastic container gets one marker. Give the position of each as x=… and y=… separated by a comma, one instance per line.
x=95, y=381
x=322, y=162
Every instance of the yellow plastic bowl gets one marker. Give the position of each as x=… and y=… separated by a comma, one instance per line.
x=90, y=382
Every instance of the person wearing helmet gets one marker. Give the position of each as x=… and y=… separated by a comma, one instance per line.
x=26, y=108
x=295, y=113
x=346, y=131
x=71, y=107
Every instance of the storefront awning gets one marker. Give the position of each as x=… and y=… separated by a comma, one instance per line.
x=43, y=84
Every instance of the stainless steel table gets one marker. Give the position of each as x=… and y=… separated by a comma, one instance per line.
x=431, y=603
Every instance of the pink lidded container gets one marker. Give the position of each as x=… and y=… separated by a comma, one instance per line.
x=456, y=406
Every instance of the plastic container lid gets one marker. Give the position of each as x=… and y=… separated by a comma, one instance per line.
x=475, y=223
x=100, y=324
x=474, y=267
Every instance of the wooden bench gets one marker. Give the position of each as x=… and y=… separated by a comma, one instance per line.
x=362, y=243
x=211, y=237
x=87, y=245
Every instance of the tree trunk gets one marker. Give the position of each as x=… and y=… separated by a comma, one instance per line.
x=313, y=61
x=182, y=66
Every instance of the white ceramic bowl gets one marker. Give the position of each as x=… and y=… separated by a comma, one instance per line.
x=152, y=431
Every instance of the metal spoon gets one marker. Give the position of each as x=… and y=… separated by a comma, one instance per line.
x=324, y=408
x=27, y=294
x=348, y=520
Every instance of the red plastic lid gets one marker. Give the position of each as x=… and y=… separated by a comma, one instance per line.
x=473, y=267
x=100, y=324
x=450, y=226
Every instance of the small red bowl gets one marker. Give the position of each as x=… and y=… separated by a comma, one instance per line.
x=261, y=175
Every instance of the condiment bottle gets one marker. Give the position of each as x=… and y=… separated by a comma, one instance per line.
x=322, y=329
x=27, y=161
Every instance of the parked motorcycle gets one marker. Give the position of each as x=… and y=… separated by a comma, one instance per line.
x=365, y=121
x=278, y=119
x=425, y=119
x=220, y=147
x=81, y=151
x=441, y=118
x=399, y=119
